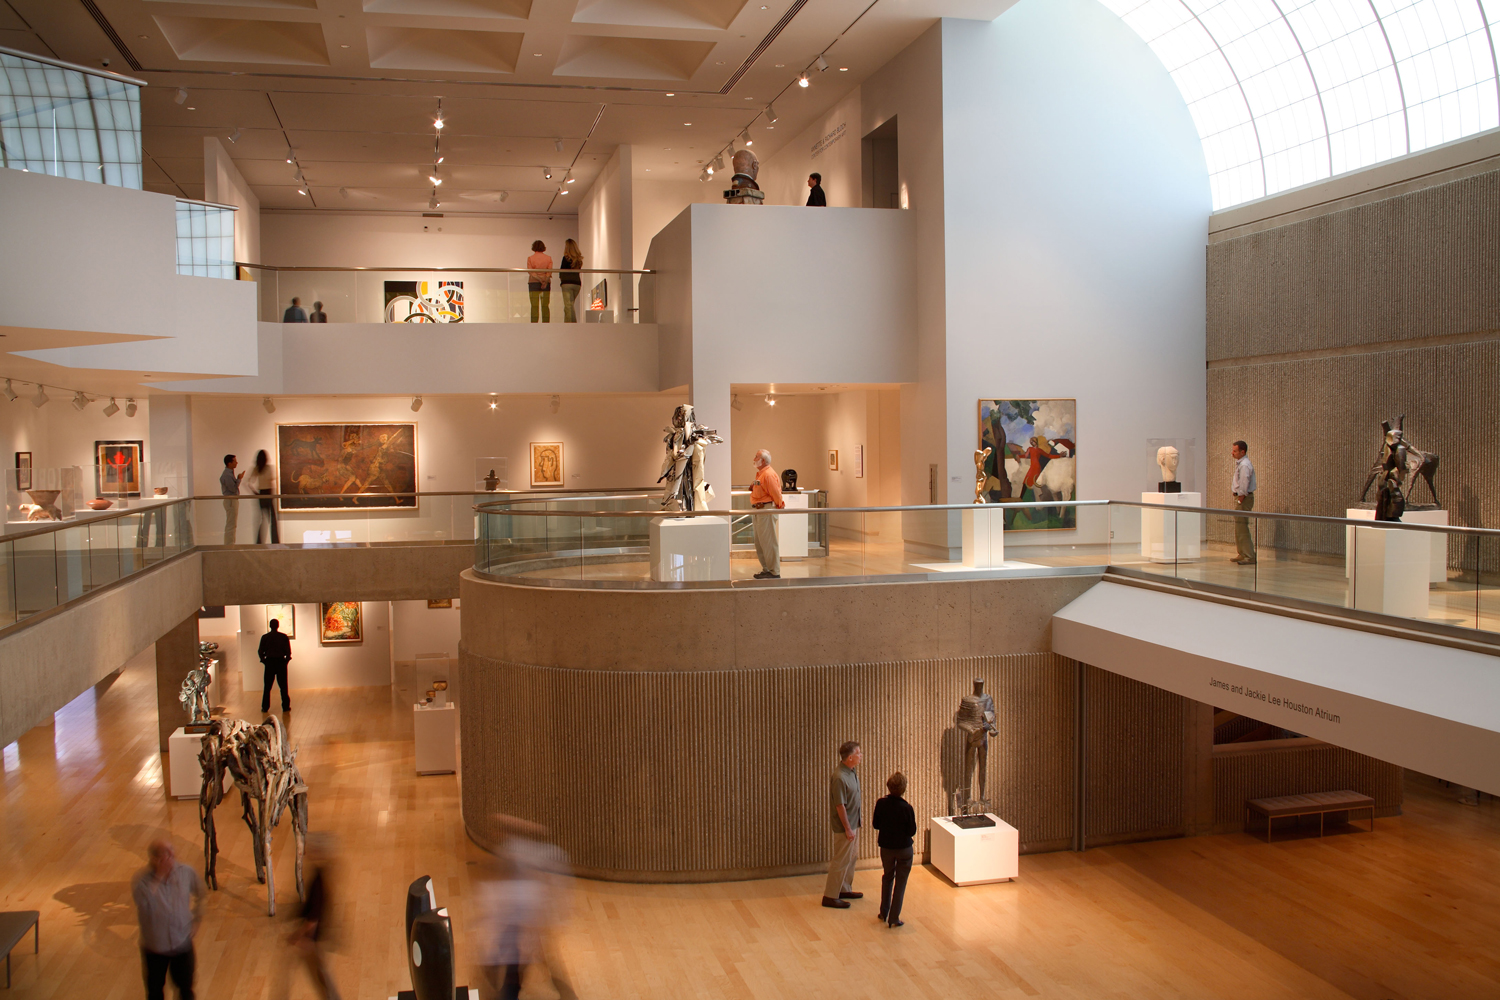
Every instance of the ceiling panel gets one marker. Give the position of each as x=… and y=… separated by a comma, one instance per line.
x=230, y=40
x=506, y=9
x=443, y=50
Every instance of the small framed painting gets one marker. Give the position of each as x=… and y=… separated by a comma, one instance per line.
x=285, y=617
x=23, y=470
x=859, y=461
x=442, y=602
x=117, y=468
x=833, y=460
x=546, y=463
x=341, y=623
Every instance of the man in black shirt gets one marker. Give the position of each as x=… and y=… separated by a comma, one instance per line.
x=815, y=196
x=275, y=653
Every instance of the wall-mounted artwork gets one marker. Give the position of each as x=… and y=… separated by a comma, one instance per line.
x=424, y=301
x=441, y=602
x=341, y=623
x=339, y=466
x=546, y=463
x=1033, y=457
x=117, y=468
x=285, y=616
x=833, y=460
x=23, y=470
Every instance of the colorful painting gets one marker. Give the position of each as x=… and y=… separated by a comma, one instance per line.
x=285, y=616
x=546, y=463
x=342, y=624
x=338, y=466
x=424, y=301
x=117, y=468
x=599, y=296
x=1033, y=458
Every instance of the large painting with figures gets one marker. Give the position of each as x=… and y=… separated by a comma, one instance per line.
x=1033, y=458
x=342, y=466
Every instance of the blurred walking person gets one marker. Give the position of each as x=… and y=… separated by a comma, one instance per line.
x=263, y=482
x=169, y=904
x=310, y=939
x=527, y=904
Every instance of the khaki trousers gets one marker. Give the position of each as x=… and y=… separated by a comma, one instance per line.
x=1242, y=538
x=231, y=519
x=767, y=545
x=841, y=867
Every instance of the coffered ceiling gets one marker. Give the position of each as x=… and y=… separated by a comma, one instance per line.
x=350, y=88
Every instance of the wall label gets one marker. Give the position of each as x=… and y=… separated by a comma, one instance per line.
x=821, y=146
x=1275, y=701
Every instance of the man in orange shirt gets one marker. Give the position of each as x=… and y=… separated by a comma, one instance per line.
x=766, y=492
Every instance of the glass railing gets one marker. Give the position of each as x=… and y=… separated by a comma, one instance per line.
x=439, y=295
x=205, y=239
x=327, y=521
x=69, y=121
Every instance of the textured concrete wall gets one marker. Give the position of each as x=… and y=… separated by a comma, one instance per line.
x=257, y=574
x=1240, y=775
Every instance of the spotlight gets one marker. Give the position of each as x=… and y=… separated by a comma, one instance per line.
x=41, y=397
x=719, y=162
x=112, y=408
x=440, y=159
x=709, y=170
x=181, y=97
x=494, y=403
x=437, y=122
x=734, y=402
x=570, y=180
x=436, y=180
x=547, y=172
x=556, y=403
x=504, y=195
x=557, y=145
x=746, y=140
x=302, y=191
x=297, y=175
x=822, y=65
x=235, y=137
x=771, y=113
x=343, y=193
x=703, y=176
x=433, y=203
x=267, y=405
x=802, y=81
x=80, y=400
x=130, y=407
x=291, y=157
x=562, y=190
x=770, y=400
x=416, y=403
x=10, y=393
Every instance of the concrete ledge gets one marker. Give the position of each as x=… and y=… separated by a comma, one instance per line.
x=259, y=574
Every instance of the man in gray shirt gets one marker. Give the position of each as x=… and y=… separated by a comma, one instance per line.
x=294, y=313
x=168, y=902
x=1242, y=485
x=843, y=802
x=229, y=485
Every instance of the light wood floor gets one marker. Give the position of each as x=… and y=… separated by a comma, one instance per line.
x=1412, y=911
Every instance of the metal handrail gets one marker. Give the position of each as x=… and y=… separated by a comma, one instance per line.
x=50, y=527
x=466, y=270
x=210, y=204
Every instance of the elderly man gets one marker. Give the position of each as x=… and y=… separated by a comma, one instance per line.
x=843, y=801
x=168, y=902
x=765, y=493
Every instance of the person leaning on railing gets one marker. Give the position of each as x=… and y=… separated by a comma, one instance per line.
x=539, y=283
x=570, y=282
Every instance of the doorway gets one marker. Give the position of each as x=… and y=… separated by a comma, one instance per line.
x=882, y=167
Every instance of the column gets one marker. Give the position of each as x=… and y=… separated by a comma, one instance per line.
x=176, y=655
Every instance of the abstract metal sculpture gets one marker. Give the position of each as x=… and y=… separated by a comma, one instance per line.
x=682, y=468
x=1398, y=467
x=264, y=768
x=980, y=476
x=976, y=720
x=743, y=190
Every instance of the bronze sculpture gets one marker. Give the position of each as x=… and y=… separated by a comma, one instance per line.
x=1398, y=467
x=980, y=476
x=976, y=720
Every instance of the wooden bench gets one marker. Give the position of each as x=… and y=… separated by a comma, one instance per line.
x=13, y=927
x=1314, y=803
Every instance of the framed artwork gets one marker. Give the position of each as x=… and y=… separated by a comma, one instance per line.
x=859, y=461
x=424, y=301
x=445, y=602
x=1033, y=458
x=341, y=623
x=546, y=463
x=599, y=296
x=23, y=470
x=339, y=466
x=286, y=618
x=833, y=460
x=117, y=468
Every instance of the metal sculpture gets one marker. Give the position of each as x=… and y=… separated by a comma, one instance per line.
x=976, y=721
x=194, y=693
x=980, y=476
x=683, y=467
x=264, y=769
x=1398, y=467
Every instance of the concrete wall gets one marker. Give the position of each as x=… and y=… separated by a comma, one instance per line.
x=266, y=575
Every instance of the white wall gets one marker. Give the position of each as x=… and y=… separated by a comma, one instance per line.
x=604, y=216
x=353, y=239
x=365, y=664
x=223, y=183
x=657, y=203
x=57, y=435
x=417, y=629
x=830, y=146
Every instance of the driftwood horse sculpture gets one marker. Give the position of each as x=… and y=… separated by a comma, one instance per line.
x=264, y=769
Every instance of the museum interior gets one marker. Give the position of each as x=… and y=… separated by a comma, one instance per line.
x=1086, y=407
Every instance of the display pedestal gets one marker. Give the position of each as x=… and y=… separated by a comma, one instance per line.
x=184, y=770
x=687, y=549
x=791, y=529
x=1390, y=571
x=1437, y=571
x=435, y=729
x=984, y=536
x=1167, y=536
x=973, y=857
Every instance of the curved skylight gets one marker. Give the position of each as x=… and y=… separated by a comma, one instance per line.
x=1287, y=92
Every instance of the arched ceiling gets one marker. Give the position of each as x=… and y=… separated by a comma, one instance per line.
x=1288, y=92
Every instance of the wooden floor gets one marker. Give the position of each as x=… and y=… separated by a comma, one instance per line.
x=1412, y=911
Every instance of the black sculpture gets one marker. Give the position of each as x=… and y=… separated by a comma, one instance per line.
x=789, y=480
x=1398, y=467
x=430, y=954
x=976, y=720
x=420, y=899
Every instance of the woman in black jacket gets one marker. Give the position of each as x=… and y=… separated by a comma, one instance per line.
x=897, y=824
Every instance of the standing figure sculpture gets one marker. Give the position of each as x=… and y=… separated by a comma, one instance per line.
x=1398, y=467
x=682, y=469
x=980, y=476
x=976, y=720
x=743, y=190
x=194, y=692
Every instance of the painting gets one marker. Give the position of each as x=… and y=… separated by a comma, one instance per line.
x=341, y=624
x=546, y=463
x=424, y=301
x=117, y=468
x=23, y=470
x=599, y=296
x=1033, y=458
x=442, y=602
x=339, y=466
x=833, y=460
x=286, y=618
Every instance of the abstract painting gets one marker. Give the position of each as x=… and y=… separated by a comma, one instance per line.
x=117, y=468
x=285, y=616
x=1033, y=458
x=546, y=463
x=424, y=301
x=341, y=624
x=339, y=466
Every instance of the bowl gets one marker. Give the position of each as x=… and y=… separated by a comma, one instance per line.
x=160, y=491
x=99, y=503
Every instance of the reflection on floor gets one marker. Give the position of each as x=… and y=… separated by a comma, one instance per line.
x=1409, y=911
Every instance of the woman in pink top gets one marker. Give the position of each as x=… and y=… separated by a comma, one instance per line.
x=540, y=282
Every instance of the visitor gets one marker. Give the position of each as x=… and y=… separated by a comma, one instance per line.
x=318, y=315
x=169, y=905
x=275, y=653
x=1242, y=485
x=570, y=282
x=229, y=486
x=765, y=493
x=263, y=483
x=815, y=197
x=309, y=940
x=897, y=822
x=294, y=313
x=539, y=282
x=843, y=800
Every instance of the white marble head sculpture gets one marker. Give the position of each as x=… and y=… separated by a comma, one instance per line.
x=1166, y=460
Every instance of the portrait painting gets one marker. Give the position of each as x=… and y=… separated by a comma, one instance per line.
x=341, y=623
x=339, y=466
x=833, y=460
x=1033, y=458
x=23, y=470
x=285, y=616
x=546, y=463
x=117, y=468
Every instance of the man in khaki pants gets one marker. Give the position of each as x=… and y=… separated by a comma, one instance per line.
x=765, y=493
x=1242, y=485
x=843, y=801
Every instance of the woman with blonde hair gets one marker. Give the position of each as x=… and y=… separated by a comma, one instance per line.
x=570, y=283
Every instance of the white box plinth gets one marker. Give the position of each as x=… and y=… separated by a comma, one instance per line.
x=185, y=771
x=1437, y=571
x=973, y=857
x=984, y=536
x=1167, y=536
x=435, y=730
x=1390, y=571
x=689, y=548
x=791, y=529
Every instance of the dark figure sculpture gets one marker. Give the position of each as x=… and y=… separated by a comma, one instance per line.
x=1398, y=467
x=976, y=720
x=789, y=480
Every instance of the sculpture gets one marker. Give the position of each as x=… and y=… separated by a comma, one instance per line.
x=1166, y=461
x=743, y=190
x=46, y=505
x=682, y=468
x=1398, y=467
x=976, y=720
x=194, y=693
x=491, y=481
x=789, y=480
x=980, y=476
x=264, y=769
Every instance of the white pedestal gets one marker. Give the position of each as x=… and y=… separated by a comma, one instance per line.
x=983, y=536
x=1437, y=571
x=1390, y=571
x=791, y=529
x=1167, y=536
x=435, y=729
x=689, y=548
x=184, y=770
x=973, y=857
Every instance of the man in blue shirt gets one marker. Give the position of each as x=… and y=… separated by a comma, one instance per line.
x=1242, y=485
x=229, y=485
x=294, y=313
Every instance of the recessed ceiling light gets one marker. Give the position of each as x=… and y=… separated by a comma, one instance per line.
x=192, y=109
x=143, y=37
x=537, y=54
x=343, y=45
x=781, y=65
x=671, y=95
x=719, y=63
x=687, y=123
x=843, y=69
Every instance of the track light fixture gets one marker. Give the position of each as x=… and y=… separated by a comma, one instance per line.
x=709, y=170
x=436, y=180
x=235, y=136
x=770, y=400
x=416, y=403
x=433, y=202
x=10, y=393
x=745, y=139
x=130, y=407
x=80, y=401
x=822, y=65
x=297, y=175
x=291, y=157
x=719, y=162
x=494, y=403
x=267, y=405
x=562, y=190
x=703, y=176
x=437, y=122
x=803, y=81
x=302, y=191
x=440, y=159
x=771, y=113
x=41, y=397
x=547, y=172
x=504, y=195
x=734, y=402
x=181, y=97
x=112, y=408
x=556, y=403
x=557, y=145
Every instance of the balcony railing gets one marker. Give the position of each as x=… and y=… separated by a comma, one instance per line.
x=69, y=121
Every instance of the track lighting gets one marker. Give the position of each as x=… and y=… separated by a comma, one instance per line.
x=302, y=191
x=719, y=162
x=562, y=190
x=771, y=113
x=703, y=176
x=267, y=405
x=438, y=121
x=112, y=408
x=344, y=193
x=822, y=65
x=436, y=180
x=709, y=170
x=130, y=407
x=734, y=402
x=770, y=400
x=235, y=136
x=297, y=175
x=547, y=172
x=41, y=397
x=802, y=81
x=80, y=401
x=433, y=203
x=494, y=403
x=10, y=393
x=181, y=97
x=416, y=403
x=504, y=195
x=746, y=140
x=440, y=159
x=557, y=145
x=556, y=403
x=291, y=157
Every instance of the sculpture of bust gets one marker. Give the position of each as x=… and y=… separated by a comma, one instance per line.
x=743, y=190
x=1166, y=461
